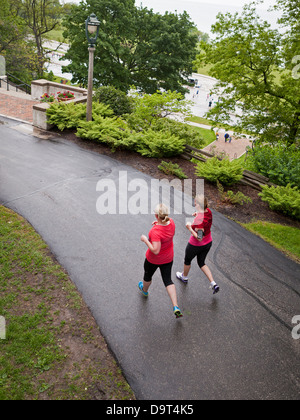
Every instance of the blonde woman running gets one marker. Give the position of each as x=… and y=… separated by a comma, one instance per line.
x=160, y=255
x=200, y=242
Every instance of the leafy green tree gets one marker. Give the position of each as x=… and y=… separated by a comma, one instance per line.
x=119, y=102
x=256, y=80
x=135, y=46
x=18, y=51
x=41, y=17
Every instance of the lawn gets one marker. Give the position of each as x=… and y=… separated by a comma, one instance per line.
x=284, y=238
x=51, y=347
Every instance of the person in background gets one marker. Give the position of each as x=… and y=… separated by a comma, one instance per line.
x=160, y=254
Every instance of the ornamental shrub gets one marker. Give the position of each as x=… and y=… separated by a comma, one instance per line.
x=111, y=131
x=118, y=101
x=159, y=144
x=224, y=171
x=279, y=163
x=67, y=116
x=170, y=168
x=286, y=200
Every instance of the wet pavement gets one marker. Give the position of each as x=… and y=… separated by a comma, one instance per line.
x=237, y=344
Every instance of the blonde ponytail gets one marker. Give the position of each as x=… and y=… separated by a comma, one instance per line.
x=162, y=212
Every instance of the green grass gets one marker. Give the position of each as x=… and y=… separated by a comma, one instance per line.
x=208, y=135
x=56, y=35
x=49, y=348
x=284, y=238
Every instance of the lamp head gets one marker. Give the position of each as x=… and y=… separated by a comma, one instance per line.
x=92, y=25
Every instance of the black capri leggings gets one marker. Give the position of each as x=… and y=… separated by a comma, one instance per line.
x=165, y=270
x=200, y=252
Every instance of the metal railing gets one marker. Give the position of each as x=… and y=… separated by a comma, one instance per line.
x=9, y=85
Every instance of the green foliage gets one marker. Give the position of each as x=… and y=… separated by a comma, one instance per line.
x=223, y=171
x=231, y=197
x=118, y=101
x=159, y=144
x=111, y=131
x=162, y=138
x=170, y=168
x=283, y=199
x=186, y=132
x=135, y=46
x=148, y=109
x=256, y=70
x=70, y=115
x=281, y=164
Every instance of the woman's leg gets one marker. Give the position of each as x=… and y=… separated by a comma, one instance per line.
x=186, y=270
x=207, y=272
x=149, y=270
x=190, y=253
x=172, y=294
x=166, y=273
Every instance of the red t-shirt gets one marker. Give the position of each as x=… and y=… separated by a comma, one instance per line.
x=203, y=221
x=164, y=235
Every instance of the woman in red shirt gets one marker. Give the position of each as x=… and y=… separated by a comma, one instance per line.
x=200, y=242
x=160, y=254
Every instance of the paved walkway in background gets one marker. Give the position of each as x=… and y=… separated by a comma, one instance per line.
x=235, y=149
x=16, y=105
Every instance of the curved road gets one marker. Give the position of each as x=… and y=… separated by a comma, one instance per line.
x=237, y=344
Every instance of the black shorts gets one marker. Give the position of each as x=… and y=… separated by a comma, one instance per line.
x=200, y=252
x=165, y=270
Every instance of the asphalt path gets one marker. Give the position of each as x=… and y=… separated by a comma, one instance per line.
x=237, y=344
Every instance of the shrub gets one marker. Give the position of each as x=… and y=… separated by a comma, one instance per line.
x=231, y=197
x=170, y=168
x=283, y=199
x=223, y=171
x=281, y=164
x=185, y=132
x=111, y=131
x=67, y=116
x=159, y=144
x=118, y=101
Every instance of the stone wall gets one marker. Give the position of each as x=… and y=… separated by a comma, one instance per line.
x=39, y=113
x=39, y=87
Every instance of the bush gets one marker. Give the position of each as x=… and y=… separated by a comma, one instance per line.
x=70, y=115
x=283, y=199
x=159, y=144
x=118, y=101
x=111, y=131
x=170, y=168
x=223, y=171
x=231, y=197
x=281, y=164
x=185, y=132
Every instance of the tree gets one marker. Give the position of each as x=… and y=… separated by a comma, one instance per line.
x=18, y=52
x=135, y=46
x=41, y=17
x=254, y=69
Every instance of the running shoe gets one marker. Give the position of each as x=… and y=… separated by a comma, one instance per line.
x=181, y=277
x=177, y=312
x=215, y=289
x=141, y=289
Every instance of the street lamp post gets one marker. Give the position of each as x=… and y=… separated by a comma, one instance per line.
x=91, y=30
